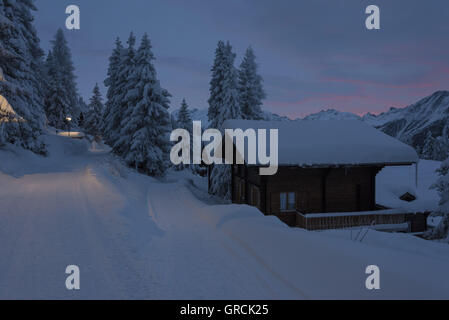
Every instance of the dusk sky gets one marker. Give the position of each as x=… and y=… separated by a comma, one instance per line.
x=313, y=54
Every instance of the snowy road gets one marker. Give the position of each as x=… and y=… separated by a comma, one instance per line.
x=131, y=237
x=135, y=237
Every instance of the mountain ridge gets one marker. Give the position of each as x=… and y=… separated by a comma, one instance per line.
x=423, y=125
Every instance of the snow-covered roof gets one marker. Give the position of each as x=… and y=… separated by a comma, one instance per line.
x=331, y=142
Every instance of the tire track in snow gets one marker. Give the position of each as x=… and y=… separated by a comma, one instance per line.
x=265, y=265
x=203, y=218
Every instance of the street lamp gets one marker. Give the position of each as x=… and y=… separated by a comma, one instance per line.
x=69, y=119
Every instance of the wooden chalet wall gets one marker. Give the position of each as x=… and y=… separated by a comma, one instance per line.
x=317, y=190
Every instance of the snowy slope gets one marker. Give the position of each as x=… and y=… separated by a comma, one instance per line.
x=132, y=238
x=412, y=124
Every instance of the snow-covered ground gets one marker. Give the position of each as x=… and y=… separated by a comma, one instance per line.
x=136, y=237
x=393, y=182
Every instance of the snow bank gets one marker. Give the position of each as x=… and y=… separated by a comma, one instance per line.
x=316, y=265
x=393, y=182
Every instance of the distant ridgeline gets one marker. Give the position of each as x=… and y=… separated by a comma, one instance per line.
x=423, y=125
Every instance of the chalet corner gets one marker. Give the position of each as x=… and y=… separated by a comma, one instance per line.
x=326, y=177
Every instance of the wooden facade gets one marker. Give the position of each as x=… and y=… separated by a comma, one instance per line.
x=316, y=190
x=301, y=197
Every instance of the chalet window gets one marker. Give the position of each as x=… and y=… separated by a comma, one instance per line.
x=288, y=201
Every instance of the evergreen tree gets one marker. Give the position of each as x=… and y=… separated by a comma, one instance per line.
x=56, y=101
x=442, y=186
x=440, y=149
x=83, y=109
x=146, y=124
x=435, y=148
x=83, y=106
x=95, y=114
x=111, y=83
x=81, y=121
x=223, y=105
x=21, y=62
x=63, y=59
x=251, y=92
x=119, y=86
x=62, y=96
x=184, y=119
x=223, y=101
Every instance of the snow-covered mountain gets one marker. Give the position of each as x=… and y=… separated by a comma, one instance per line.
x=423, y=125
x=332, y=114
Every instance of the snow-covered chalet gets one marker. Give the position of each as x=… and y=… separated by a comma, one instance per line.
x=326, y=177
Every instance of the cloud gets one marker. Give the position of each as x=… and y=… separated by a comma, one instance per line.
x=191, y=65
x=312, y=54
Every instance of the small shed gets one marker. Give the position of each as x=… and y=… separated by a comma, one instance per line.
x=326, y=176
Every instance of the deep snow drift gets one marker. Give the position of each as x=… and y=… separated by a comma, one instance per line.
x=135, y=237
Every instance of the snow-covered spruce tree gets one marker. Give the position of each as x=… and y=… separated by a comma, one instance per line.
x=184, y=119
x=251, y=92
x=223, y=101
x=442, y=186
x=435, y=148
x=94, y=116
x=57, y=104
x=223, y=105
x=83, y=110
x=118, y=98
x=61, y=75
x=146, y=124
x=21, y=62
x=111, y=83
